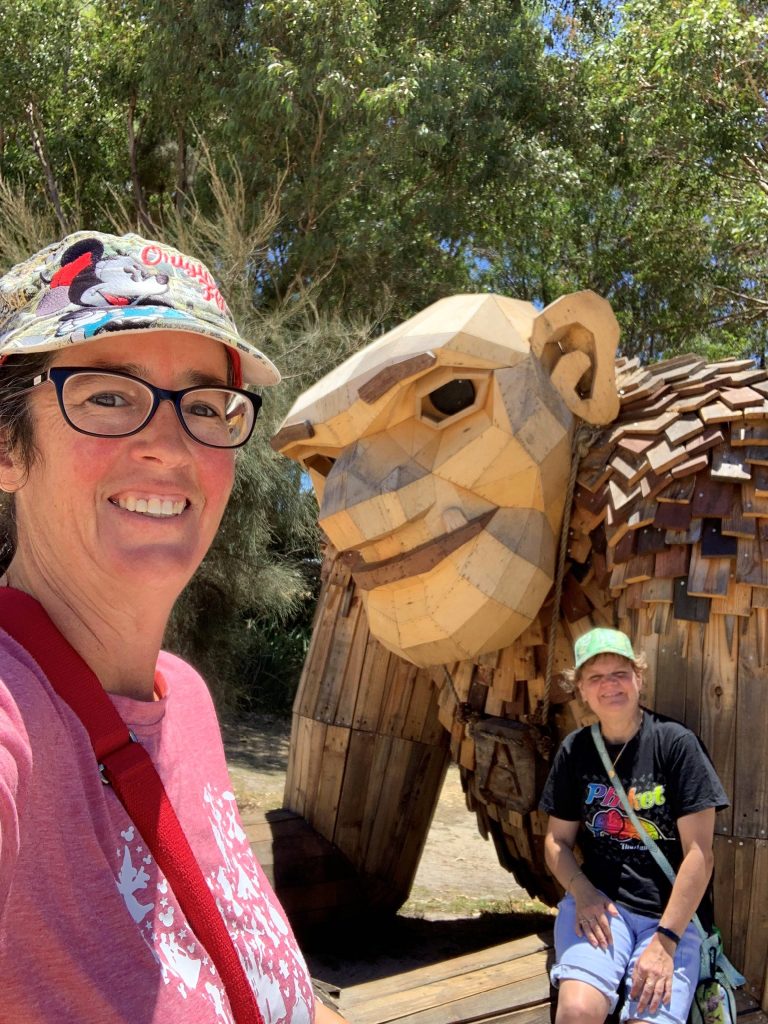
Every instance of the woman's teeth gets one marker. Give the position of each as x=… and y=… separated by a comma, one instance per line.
x=152, y=506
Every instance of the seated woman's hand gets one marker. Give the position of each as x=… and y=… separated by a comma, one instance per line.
x=652, y=977
x=593, y=913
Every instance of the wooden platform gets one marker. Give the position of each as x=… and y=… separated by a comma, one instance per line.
x=505, y=983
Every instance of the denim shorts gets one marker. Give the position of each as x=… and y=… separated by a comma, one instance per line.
x=605, y=969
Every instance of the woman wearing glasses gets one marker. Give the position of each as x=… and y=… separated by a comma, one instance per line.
x=122, y=405
x=621, y=920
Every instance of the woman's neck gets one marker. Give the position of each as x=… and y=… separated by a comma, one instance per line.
x=622, y=730
x=118, y=636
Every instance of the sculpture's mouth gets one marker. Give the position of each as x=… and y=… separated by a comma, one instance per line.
x=369, y=575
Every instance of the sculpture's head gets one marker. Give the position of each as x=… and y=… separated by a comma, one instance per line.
x=440, y=455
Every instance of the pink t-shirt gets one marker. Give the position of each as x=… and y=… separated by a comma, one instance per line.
x=89, y=928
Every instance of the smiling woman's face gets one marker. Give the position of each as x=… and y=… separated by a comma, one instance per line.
x=610, y=686
x=80, y=507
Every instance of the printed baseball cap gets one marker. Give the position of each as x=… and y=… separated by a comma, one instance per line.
x=602, y=641
x=91, y=284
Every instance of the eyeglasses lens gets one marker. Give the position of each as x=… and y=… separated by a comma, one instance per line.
x=111, y=406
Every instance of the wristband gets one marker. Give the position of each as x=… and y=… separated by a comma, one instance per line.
x=668, y=933
x=572, y=879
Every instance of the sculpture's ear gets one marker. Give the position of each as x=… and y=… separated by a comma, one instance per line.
x=575, y=338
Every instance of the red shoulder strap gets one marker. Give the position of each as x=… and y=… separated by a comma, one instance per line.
x=126, y=766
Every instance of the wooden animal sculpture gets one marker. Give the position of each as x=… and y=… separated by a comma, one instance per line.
x=442, y=456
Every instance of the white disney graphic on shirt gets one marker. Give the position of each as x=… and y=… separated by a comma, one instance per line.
x=129, y=881
x=260, y=932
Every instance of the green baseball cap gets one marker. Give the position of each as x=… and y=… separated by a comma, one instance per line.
x=602, y=641
x=90, y=285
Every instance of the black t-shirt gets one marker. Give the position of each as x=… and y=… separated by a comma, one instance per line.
x=666, y=774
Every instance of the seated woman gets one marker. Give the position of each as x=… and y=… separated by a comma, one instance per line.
x=621, y=920
x=121, y=411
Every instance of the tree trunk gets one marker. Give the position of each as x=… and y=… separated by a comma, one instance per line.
x=180, y=191
x=142, y=214
x=37, y=133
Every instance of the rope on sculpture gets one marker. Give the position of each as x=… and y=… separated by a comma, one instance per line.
x=582, y=441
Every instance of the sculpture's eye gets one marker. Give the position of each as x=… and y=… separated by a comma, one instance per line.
x=453, y=397
x=321, y=464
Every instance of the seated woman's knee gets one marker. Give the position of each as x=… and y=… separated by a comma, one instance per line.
x=579, y=1003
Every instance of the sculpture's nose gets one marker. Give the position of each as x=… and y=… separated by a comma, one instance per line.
x=368, y=495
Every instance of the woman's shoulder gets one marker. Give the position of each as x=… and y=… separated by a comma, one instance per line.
x=667, y=728
x=177, y=678
x=24, y=687
x=577, y=742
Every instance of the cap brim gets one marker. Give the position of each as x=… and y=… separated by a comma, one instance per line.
x=45, y=335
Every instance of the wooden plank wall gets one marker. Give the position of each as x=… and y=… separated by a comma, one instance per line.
x=368, y=752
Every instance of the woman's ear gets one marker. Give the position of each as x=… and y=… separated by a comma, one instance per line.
x=13, y=473
x=575, y=338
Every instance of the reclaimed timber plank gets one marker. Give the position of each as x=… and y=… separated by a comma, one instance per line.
x=424, y=780
x=298, y=799
x=718, y=412
x=348, y=693
x=760, y=480
x=689, y=607
x=671, y=669
x=336, y=677
x=397, y=696
x=319, y=649
x=466, y=1003
x=373, y=682
x=644, y=428
x=630, y=469
x=712, y=498
x=750, y=793
x=331, y=777
x=683, y=429
x=708, y=577
x=713, y=543
x=690, y=536
x=673, y=562
x=689, y=466
x=750, y=565
x=739, y=398
x=718, y=706
x=756, y=945
x=647, y=408
x=672, y=516
x=349, y=819
x=738, y=601
x=655, y=590
x=679, y=492
x=751, y=503
x=722, y=886
x=663, y=456
x=743, y=434
x=485, y=990
x=737, y=524
x=757, y=455
x=692, y=402
x=711, y=437
x=636, y=445
x=743, y=868
x=730, y=465
x=651, y=539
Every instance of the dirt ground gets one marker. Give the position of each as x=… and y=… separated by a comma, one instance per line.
x=462, y=899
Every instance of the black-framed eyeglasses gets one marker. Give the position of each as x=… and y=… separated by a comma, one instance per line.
x=110, y=403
